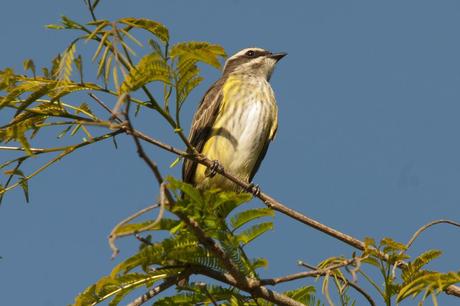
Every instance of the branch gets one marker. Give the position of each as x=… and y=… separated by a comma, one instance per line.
x=66, y=151
x=104, y=106
x=271, y=202
x=167, y=283
x=316, y=272
x=426, y=226
x=255, y=290
x=113, y=236
x=344, y=280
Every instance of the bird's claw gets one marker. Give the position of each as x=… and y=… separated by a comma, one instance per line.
x=254, y=189
x=213, y=169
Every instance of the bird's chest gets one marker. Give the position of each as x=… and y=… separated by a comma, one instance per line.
x=243, y=129
x=249, y=128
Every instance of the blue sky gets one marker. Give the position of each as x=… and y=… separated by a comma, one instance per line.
x=368, y=138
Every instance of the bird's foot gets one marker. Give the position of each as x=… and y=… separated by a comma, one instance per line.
x=254, y=189
x=212, y=170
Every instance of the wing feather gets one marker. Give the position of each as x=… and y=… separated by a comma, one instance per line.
x=202, y=123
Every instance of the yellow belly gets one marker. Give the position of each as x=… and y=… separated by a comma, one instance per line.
x=239, y=134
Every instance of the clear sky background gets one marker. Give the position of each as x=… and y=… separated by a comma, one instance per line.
x=368, y=139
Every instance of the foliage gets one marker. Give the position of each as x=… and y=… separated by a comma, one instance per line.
x=207, y=232
x=173, y=256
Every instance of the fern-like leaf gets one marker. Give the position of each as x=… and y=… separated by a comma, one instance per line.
x=149, y=69
x=156, y=28
x=429, y=283
x=253, y=232
x=199, y=51
x=246, y=216
x=108, y=287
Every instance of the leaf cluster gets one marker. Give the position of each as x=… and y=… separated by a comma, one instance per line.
x=46, y=98
x=181, y=253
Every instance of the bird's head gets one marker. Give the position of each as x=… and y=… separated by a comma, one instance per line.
x=255, y=61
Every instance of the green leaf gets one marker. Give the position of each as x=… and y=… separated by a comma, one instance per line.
x=413, y=269
x=223, y=203
x=259, y=263
x=156, y=28
x=29, y=65
x=79, y=64
x=25, y=187
x=55, y=26
x=253, y=232
x=391, y=246
x=199, y=51
x=65, y=64
x=132, y=228
x=7, y=78
x=149, y=69
x=193, y=193
x=426, y=257
x=107, y=287
x=70, y=24
x=175, y=162
x=246, y=216
x=304, y=295
x=155, y=46
x=14, y=171
x=187, y=78
x=430, y=282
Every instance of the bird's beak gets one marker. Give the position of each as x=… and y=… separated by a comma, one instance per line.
x=277, y=56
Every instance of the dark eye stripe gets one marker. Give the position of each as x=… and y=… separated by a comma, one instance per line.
x=233, y=63
x=256, y=53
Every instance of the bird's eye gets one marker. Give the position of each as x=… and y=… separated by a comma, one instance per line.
x=250, y=53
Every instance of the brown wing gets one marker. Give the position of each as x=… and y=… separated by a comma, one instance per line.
x=202, y=123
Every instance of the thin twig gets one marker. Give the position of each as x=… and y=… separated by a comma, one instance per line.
x=343, y=279
x=142, y=239
x=91, y=9
x=33, y=150
x=360, y=290
x=140, y=150
x=316, y=272
x=426, y=226
x=113, y=236
x=65, y=152
x=104, y=106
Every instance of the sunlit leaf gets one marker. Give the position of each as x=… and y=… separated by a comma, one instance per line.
x=153, y=27
x=246, y=216
x=149, y=69
x=199, y=51
x=253, y=232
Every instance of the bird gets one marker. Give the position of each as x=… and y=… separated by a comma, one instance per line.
x=235, y=121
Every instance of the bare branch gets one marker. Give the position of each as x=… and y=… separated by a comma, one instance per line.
x=104, y=106
x=113, y=236
x=426, y=226
x=314, y=273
